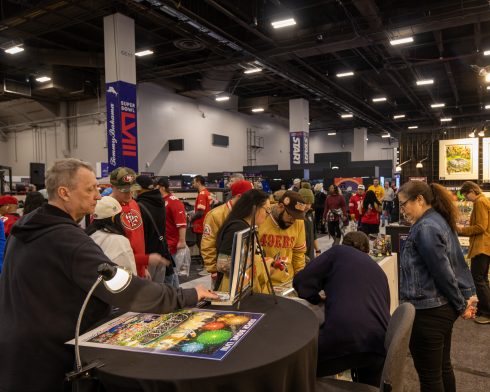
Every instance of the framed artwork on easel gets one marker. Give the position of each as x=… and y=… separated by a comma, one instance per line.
x=458, y=159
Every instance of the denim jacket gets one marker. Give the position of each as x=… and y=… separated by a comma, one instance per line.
x=433, y=271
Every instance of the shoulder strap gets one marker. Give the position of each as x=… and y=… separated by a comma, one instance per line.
x=147, y=212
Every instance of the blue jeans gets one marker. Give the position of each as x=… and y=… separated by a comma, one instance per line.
x=172, y=280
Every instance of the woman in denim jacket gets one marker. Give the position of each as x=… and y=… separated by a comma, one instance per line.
x=435, y=279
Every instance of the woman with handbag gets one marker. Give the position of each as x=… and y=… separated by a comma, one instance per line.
x=334, y=213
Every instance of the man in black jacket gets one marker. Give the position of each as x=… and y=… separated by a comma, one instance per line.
x=49, y=266
x=153, y=213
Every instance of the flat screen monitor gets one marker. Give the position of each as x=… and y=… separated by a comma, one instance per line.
x=220, y=140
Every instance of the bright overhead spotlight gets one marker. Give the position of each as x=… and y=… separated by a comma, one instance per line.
x=424, y=82
x=257, y=110
x=331, y=133
x=486, y=53
x=419, y=165
x=398, y=168
x=487, y=106
x=437, y=105
x=379, y=99
x=346, y=115
x=345, y=74
x=396, y=116
x=252, y=70
x=487, y=78
x=400, y=41
x=386, y=135
x=413, y=127
x=335, y=168
x=283, y=23
x=481, y=133
x=144, y=53
x=43, y=79
x=472, y=134
x=222, y=98
x=14, y=49
x=446, y=119
x=488, y=87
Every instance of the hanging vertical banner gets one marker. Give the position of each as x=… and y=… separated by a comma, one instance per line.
x=122, y=130
x=120, y=92
x=298, y=152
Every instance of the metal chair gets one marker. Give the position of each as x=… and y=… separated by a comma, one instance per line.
x=396, y=344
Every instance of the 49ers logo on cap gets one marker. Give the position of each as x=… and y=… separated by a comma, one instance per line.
x=131, y=220
x=128, y=178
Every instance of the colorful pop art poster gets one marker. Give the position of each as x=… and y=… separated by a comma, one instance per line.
x=486, y=159
x=345, y=182
x=458, y=159
x=197, y=333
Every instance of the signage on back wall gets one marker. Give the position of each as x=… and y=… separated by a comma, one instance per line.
x=299, y=148
x=122, y=130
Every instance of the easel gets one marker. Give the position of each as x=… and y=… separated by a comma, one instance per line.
x=253, y=237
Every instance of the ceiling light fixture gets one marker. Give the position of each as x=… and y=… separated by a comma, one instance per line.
x=222, y=98
x=472, y=133
x=419, y=163
x=413, y=127
x=43, y=79
x=331, y=133
x=487, y=78
x=283, y=23
x=398, y=168
x=14, y=49
x=481, y=133
x=257, y=110
x=252, y=71
x=446, y=119
x=400, y=41
x=487, y=107
x=386, y=135
x=347, y=115
x=488, y=87
x=438, y=105
x=345, y=74
x=144, y=53
x=424, y=82
x=335, y=168
x=486, y=53
x=379, y=99
x=398, y=116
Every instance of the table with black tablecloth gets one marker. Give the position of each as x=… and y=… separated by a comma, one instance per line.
x=279, y=354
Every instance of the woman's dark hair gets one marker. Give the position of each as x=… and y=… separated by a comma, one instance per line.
x=370, y=199
x=358, y=240
x=469, y=186
x=33, y=201
x=434, y=195
x=335, y=189
x=108, y=225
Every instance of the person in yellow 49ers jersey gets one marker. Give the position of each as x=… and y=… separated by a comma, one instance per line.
x=282, y=237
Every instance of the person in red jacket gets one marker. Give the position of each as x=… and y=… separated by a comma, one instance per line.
x=8, y=212
x=355, y=204
x=371, y=209
x=334, y=213
x=122, y=179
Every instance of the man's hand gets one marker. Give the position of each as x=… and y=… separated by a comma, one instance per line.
x=203, y=293
x=181, y=244
x=156, y=259
x=470, y=311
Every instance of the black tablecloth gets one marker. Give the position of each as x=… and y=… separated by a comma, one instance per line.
x=279, y=354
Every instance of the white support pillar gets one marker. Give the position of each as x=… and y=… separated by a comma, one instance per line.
x=360, y=144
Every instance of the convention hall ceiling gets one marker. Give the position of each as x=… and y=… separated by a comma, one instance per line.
x=202, y=48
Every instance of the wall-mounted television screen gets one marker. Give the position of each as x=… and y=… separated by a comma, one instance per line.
x=220, y=140
x=176, y=145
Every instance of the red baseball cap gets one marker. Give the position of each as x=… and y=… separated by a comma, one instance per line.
x=240, y=187
x=4, y=200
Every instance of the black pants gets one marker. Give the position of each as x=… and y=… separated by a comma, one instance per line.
x=319, y=220
x=430, y=345
x=334, y=229
x=365, y=368
x=479, y=271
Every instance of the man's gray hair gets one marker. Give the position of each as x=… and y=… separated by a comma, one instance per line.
x=237, y=176
x=62, y=173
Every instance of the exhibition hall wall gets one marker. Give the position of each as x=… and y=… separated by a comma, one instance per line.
x=163, y=115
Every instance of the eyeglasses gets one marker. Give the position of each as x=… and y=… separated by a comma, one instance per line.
x=402, y=205
x=268, y=210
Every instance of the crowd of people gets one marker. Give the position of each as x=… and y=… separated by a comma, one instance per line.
x=50, y=263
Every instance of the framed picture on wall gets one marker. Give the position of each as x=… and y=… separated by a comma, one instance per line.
x=458, y=159
x=486, y=159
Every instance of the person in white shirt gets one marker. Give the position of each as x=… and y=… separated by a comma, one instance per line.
x=107, y=232
x=388, y=198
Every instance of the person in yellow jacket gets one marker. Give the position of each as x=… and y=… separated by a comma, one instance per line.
x=212, y=223
x=479, y=251
x=378, y=190
x=240, y=218
x=283, y=238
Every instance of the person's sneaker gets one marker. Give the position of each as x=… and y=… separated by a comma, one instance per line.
x=482, y=320
x=203, y=273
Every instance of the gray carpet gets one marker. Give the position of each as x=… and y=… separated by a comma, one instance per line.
x=470, y=358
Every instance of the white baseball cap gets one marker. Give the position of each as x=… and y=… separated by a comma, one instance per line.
x=107, y=207
x=360, y=186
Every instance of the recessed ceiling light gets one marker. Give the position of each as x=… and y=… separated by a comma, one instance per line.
x=335, y=168
x=486, y=53
x=487, y=78
x=413, y=127
x=346, y=115
x=400, y=41
x=257, y=110
x=446, y=119
x=252, y=70
x=43, y=79
x=222, y=98
x=379, y=99
x=283, y=23
x=437, y=105
x=331, y=133
x=367, y=139
x=424, y=82
x=14, y=49
x=398, y=116
x=144, y=53
x=345, y=74
x=487, y=106
x=386, y=135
